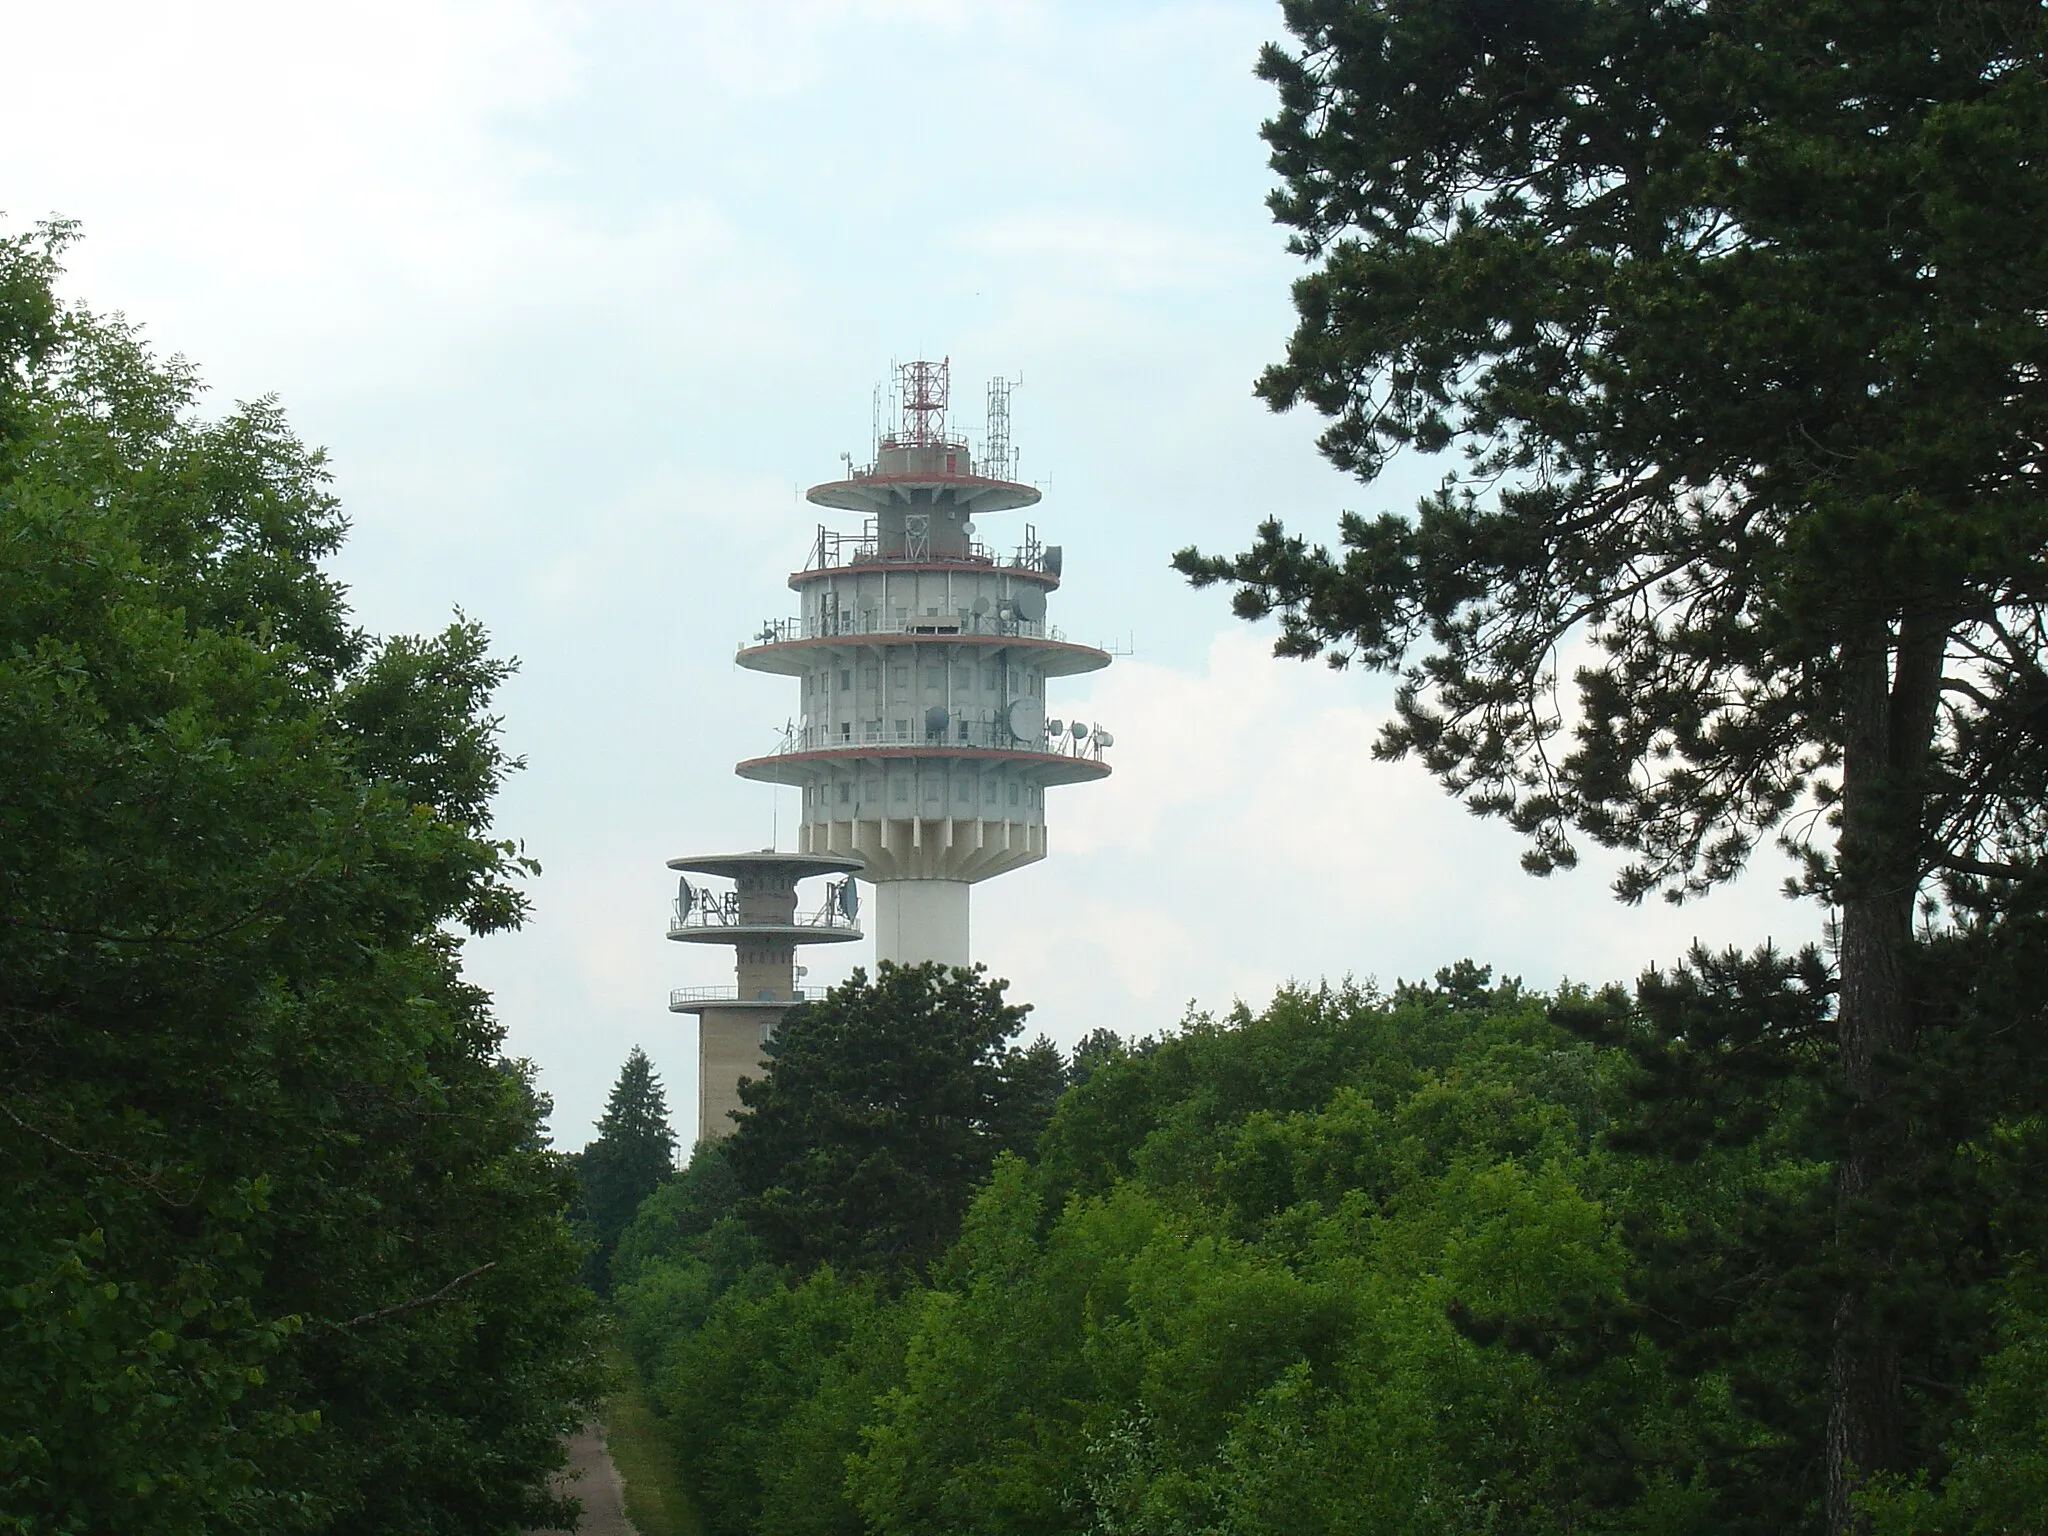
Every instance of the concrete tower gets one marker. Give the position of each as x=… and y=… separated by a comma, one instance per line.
x=923, y=657
x=759, y=917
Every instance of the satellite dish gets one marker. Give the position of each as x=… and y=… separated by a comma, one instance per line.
x=1052, y=560
x=849, y=898
x=1080, y=729
x=685, y=899
x=935, y=720
x=1026, y=719
x=967, y=528
x=1103, y=738
x=1056, y=727
x=1030, y=605
x=980, y=606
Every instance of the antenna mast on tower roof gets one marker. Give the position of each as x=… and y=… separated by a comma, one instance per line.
x=926, y=390
x=998, y=458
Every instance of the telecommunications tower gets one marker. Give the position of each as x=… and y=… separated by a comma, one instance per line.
x=923, y=657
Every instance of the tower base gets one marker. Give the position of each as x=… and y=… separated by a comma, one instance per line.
x=920, y=920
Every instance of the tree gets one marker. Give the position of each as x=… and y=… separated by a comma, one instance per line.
x=883, y=1106
x=1723, y=1135
x=633, y=1153
x=1735, y=313
x=281, y=1245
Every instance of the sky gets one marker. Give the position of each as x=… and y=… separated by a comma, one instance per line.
x=578, y=298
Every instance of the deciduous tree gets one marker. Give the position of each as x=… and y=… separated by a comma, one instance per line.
x=884, y=1105
x=281, y=1245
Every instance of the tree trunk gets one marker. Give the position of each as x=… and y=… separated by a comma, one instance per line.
x=1888, y=726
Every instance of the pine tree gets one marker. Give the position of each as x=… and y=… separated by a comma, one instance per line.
x=1734, y=312
x=633, y=1153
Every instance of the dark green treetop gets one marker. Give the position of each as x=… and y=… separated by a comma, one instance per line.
x=633, y=1152
x=884, y=1106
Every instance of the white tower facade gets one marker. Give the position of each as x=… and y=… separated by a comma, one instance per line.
x=923, y=658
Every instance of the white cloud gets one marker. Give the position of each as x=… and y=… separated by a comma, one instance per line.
x=1247, y=837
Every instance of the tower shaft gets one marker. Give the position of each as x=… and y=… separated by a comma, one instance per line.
x=920, y=920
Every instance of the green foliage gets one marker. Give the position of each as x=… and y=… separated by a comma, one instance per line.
x=1728, y=1127
x=884, y=1105
x=1998, y=1480
x=768, y=1397
x=281, y=1247
x=1251, y=1328
x=631, y=1156
x=1731, y=310
x=655, y=1499
x=1226, y=1297
x=1459, y=1258
x=679, y=1211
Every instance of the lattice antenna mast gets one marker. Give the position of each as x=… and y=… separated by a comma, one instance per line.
x=926, y=390
x=999, y=459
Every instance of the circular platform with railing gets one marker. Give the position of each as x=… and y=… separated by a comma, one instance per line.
x=715, y=919
x=697, y=999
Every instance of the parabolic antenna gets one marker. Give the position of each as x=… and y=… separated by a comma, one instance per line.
x=1056, y=727
x=1052, y=559
x=980, y=606
x=1080, y=729
x=935, y=720
x=849, y=898
x=1103, y=738
x=685, y=898
x=1026, y=719
x=1030, y=605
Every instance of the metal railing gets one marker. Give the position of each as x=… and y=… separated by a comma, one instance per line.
x=868, y=621
x=729, y=994
x=711, y=910
x=833, y=550
x=912, y=731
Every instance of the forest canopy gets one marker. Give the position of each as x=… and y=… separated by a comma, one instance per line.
x=1459, y=1257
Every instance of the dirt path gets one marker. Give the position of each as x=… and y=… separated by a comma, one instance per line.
x=592, y=1478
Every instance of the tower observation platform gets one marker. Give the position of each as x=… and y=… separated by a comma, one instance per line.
x=923, y=655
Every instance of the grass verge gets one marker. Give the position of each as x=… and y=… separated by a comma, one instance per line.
x=655, y=1500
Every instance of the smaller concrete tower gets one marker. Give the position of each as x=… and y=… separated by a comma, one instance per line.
x=759, y=917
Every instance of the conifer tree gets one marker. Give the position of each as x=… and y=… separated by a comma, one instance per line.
x=1735, y=311
x=633, y=1152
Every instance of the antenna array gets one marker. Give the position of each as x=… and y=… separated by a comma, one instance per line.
x=998, y=458
x=926, y=389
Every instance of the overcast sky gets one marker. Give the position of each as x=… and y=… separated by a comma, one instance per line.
x=577, y=298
